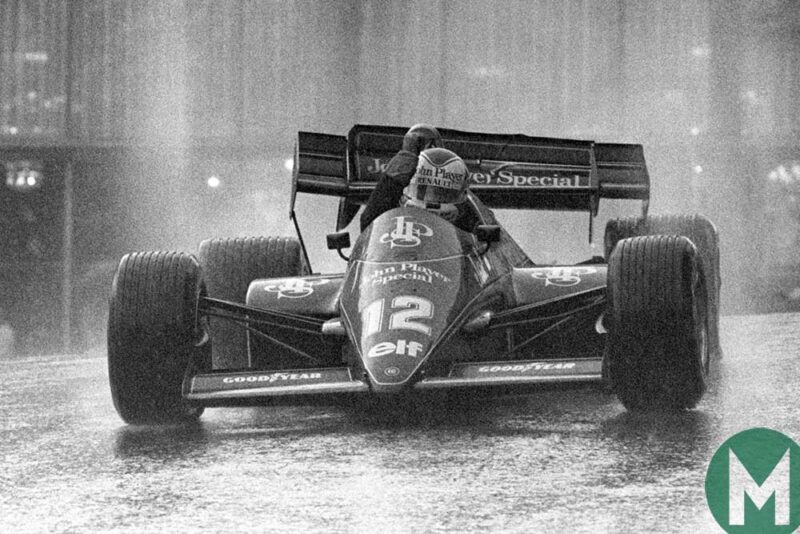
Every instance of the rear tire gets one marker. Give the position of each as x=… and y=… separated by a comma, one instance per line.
x=229, y=265
x=153, y=333
x=658, y=347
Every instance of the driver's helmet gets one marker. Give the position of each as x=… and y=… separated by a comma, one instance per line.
x=439, y=183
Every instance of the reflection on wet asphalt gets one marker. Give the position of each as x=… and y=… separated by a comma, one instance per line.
x=570, y=461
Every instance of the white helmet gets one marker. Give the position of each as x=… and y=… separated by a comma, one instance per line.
x=439, y=183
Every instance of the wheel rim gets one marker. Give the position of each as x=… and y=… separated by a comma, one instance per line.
x=701, y=322
x=703, y=343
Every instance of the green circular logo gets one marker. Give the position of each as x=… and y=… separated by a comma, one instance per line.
x=753, y=483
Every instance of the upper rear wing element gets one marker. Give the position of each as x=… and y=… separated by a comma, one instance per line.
x=506, y=171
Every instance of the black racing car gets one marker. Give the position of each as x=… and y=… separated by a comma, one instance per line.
x=421, y=304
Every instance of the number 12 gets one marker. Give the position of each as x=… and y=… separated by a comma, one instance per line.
x=411, y=310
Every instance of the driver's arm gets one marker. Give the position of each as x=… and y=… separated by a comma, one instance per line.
x=389, y=189
x=385, y=196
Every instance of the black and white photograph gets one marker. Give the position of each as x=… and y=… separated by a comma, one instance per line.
x=399, y=266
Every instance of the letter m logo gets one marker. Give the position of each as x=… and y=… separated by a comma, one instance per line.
x=741, y=484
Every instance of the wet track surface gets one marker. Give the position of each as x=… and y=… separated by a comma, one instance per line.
x=570, y=461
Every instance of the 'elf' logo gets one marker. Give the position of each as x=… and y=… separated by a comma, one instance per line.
x=753, y=483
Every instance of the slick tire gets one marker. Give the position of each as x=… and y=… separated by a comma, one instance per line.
x=701, y=231
x=154, y=336
x=229, y=265
x=658, y=350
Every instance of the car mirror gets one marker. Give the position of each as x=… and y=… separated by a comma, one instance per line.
x=338, y=241
x=487, y=233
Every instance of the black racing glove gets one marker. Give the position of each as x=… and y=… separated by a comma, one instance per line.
x=421, y=137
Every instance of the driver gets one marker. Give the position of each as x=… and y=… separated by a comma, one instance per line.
x=439, y=185
x=401, y=167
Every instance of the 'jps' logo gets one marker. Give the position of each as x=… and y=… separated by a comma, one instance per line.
x=562, y=276
x=406, y=233
x=294, y=288
x=753, y=483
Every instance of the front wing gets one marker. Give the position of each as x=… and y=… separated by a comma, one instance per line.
x=289, y=386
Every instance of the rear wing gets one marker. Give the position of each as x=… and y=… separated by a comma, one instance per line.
x=506, y=171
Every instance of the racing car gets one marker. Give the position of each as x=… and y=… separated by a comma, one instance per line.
x=421, y=305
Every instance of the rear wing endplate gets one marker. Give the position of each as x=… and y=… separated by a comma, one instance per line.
x=506, y=171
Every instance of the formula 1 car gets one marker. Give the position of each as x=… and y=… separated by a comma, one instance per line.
x=422, y=305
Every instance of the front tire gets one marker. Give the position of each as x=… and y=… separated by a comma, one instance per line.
x=658, y=346
x=701, y=231
x=229, y=265
x=153, y=336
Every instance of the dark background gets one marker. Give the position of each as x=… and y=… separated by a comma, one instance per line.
x=125, y=109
